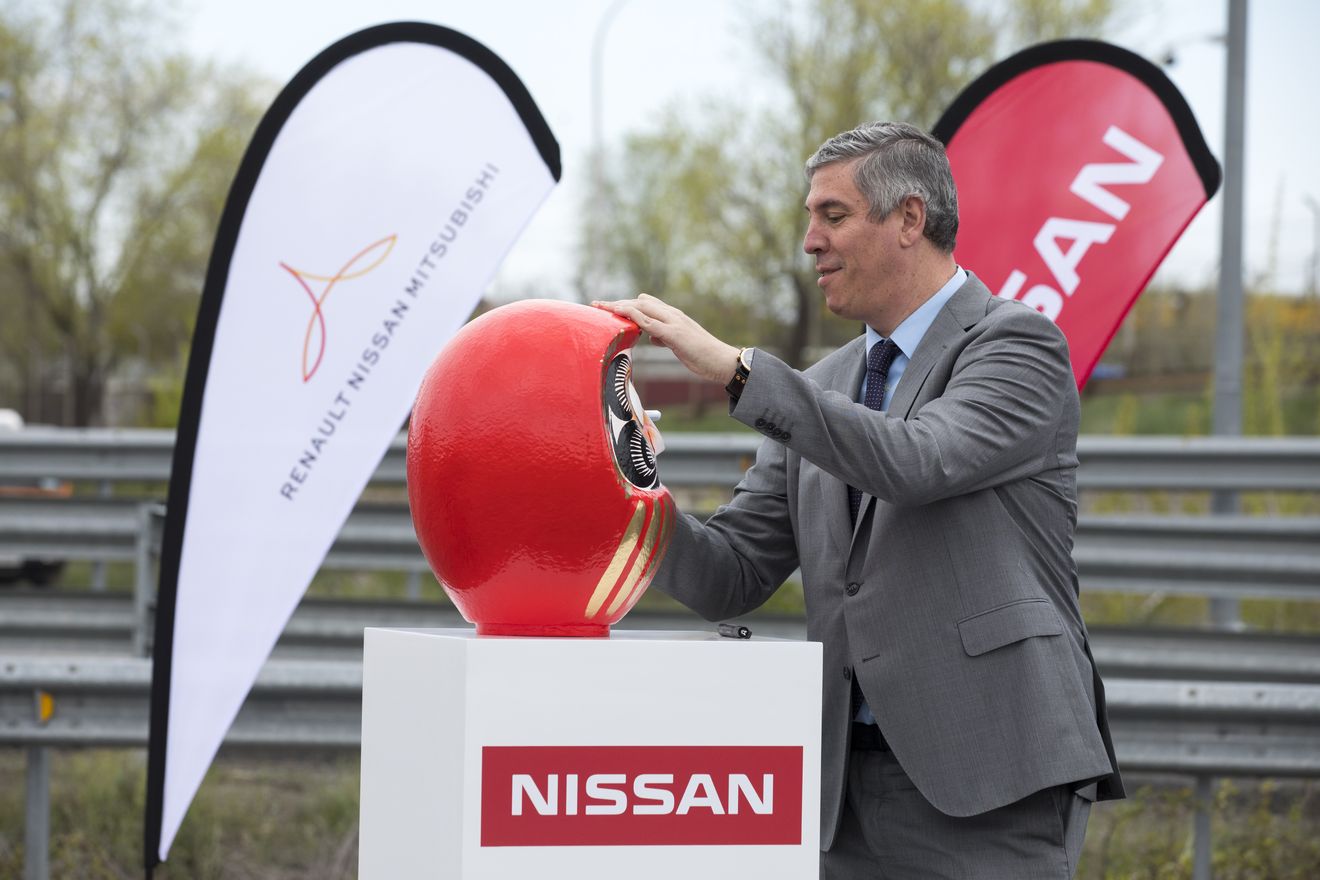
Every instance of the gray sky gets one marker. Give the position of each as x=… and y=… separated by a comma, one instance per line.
x=658, y=51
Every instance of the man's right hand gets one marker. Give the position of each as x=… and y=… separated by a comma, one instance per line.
x=696, y=348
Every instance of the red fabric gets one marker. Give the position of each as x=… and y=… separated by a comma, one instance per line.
x=1015, y=159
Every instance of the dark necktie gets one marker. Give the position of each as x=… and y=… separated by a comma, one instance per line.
x=877, y=371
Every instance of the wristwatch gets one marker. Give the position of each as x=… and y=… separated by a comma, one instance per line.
x=739, y=380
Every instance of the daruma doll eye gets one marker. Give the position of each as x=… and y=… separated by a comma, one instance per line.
x=532, y=474
x=635, y=457
x=617, y=387
x=632, y=448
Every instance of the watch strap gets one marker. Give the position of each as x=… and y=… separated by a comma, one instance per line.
x=740, y=374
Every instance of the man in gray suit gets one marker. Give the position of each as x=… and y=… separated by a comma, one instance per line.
x=964, y=731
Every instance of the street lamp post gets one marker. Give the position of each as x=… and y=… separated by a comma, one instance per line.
x=1229, y=329
x=595, y=274
x=597, y=65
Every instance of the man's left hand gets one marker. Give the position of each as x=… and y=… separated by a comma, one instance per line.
x=695, y=348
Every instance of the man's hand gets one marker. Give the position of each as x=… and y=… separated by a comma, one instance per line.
x=697, y=349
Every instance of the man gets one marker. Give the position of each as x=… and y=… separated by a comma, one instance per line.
x=964, y=731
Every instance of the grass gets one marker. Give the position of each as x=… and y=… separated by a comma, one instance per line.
x=276, y=818
x=1188, y=414
x=1260, y=831
x=1169, y=413
x=280, y=818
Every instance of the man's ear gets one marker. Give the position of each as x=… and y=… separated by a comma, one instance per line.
x=912, y=210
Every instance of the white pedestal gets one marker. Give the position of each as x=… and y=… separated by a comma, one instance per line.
x=644, y=755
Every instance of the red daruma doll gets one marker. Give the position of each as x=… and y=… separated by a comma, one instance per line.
x=532, y=472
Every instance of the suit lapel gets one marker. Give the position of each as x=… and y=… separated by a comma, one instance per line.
x=963, y=310
x=847, y=379
x=943, y=330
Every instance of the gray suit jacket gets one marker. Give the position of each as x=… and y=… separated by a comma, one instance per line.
x=954, y=600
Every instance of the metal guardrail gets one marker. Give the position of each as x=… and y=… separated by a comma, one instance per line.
x=83, y=623
x=80, y=529
x=103, y=701
x=1208, y=555
x=1240, y=704
x=1168, y=463
x=1223, y=729
x=1199, y=463
x=1159, y=726
x=1217, y=556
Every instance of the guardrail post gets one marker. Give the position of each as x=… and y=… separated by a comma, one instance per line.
x=1225, y=611
x=414, y=589
x=1201, y=849
x=99, y=567
x=142, y=592
x=36, y=833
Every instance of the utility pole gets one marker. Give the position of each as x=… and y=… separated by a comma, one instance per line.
x=1229, y=328
x=1229, y=333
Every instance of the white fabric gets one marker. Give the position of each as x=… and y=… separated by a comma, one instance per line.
x=388, y=143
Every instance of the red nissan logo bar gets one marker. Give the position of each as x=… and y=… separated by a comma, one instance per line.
x=641, y=795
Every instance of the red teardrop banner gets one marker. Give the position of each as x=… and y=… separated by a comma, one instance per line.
x=1078, y=165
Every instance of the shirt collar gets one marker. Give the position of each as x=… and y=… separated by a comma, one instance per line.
x=908, y=335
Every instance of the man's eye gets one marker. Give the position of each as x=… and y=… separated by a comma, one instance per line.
x=834, y=219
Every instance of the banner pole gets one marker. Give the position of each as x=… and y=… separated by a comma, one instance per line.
x=36, y=837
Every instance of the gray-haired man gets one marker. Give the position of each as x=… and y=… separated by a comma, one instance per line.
x=964, y=732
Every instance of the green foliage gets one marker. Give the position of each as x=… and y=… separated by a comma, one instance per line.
x=1260, y=831
x=1165, y=347
x=787, y=602
x=705, y=209
x=329, y=584
x=166, y=390
x=1142, y=609
x=1145, y=836
x=1279, y=837
x=1040, y=20
x=686, y=418
x=296, y=819
x=1283, y=334
x=1127, y=413
x=115, y=158
x=1280, y=615
x=285, y=819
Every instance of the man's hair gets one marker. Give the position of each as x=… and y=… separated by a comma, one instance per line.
x=898, y=160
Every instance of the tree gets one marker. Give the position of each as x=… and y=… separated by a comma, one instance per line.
x=702, y=210
x=115, y=158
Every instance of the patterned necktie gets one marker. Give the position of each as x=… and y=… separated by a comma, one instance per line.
x=877, y=371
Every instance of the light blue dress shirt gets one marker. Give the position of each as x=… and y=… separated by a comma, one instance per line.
x=907, y=336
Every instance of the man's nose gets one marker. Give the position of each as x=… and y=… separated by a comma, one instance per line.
x=813, y=242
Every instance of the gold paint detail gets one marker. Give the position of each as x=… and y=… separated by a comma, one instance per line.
x=665, y=513
x=640, y=565
x=45, y=707
x=612, y=571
